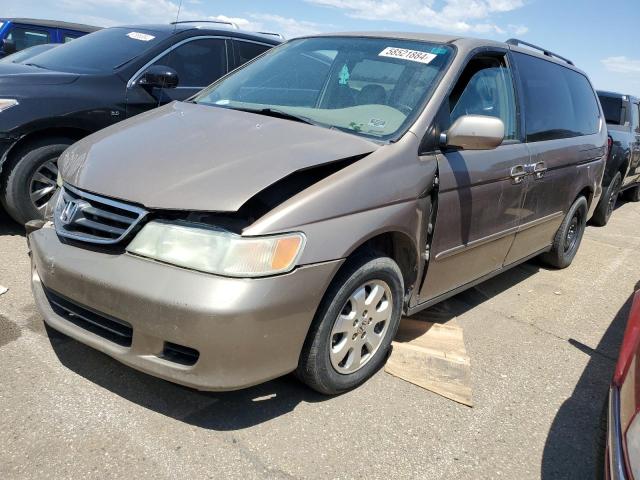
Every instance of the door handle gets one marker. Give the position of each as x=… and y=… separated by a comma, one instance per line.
x=539, y=169
x=518, y=173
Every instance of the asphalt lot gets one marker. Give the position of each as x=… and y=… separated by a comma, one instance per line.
x=542, y=344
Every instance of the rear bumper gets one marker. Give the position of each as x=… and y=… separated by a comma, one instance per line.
x=246, y=331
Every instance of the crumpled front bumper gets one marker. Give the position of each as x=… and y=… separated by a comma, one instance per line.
x=246, y=331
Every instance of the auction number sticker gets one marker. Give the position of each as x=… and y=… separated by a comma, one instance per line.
x=140, y=36
x=405, y=54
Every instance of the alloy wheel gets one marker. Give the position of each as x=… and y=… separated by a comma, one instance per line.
x=43, y=184
x=358, y=331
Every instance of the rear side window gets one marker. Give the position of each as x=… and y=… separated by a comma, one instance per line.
x=613, y=109
x=28, y=37
x=559, y=102
x=246, y=51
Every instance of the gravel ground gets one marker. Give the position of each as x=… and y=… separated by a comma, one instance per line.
x=542, y=343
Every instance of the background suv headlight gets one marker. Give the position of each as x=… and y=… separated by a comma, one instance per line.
x=207, y=249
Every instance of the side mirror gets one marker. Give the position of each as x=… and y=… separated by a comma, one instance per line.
x=159, y=76
x=8, y=47
x=474, y=132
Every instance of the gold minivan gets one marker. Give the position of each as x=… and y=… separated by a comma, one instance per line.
x=287, y=216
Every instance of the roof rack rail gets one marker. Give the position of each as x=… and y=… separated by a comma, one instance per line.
x=548, y=53
x=273, y=34
x=219, y=22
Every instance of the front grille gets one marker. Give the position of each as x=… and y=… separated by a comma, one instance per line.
x=91, y=218
x=112, y=329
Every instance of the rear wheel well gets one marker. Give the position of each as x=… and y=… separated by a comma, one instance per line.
x=399, y=247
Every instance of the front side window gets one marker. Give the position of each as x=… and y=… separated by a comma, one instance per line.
x=559, y=102
x=198, y=62
x=486, y=88
x=367, y=86
x=27, y=37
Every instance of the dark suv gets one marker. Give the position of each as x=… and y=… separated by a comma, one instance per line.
x=19, y=33
x=622, y=113
x=62, y=95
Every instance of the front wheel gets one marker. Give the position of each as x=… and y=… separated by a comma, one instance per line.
x=568, y=237
x=353, y=328
x=31, y=180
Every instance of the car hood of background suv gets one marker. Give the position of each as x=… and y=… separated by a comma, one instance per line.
x=17, y=74
x=193, y=157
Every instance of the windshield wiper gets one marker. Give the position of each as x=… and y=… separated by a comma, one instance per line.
x=274, y=112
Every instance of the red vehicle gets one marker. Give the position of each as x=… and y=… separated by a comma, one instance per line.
x=623, y=431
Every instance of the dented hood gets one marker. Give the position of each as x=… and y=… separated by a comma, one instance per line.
x=194, y=157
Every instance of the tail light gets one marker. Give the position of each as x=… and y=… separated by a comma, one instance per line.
x=629, y=344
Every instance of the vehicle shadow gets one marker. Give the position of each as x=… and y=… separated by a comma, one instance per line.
x=223, y=411
x=8, y=226
x=574, y=446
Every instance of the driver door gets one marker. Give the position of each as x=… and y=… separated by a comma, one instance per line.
x=481, y=192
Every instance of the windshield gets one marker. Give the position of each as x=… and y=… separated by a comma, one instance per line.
x=28, y=53
x=101, y=51
x=368, y=86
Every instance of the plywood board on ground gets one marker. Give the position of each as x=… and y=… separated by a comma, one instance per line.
x=432, y=356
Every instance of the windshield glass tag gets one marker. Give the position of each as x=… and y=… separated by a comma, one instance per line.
x=143, y=37
x=405, y=54
x=343, y=78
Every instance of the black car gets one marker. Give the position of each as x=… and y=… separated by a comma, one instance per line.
x=622, y=113
x=95, y=81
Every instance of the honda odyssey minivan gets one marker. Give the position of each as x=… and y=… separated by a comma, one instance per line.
x=287, y=216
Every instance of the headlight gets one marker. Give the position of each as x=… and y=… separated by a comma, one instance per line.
x=7, y=103
x=207, y=249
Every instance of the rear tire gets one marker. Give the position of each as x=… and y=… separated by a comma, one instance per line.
x=607, y=202
x=365, y=302
x=569, y=235
x=33, y=173
x=633, y=194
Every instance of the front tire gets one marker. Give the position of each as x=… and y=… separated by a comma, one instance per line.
x=568, y=237
x=608, y=202
x=353, y=328
x=31, y=179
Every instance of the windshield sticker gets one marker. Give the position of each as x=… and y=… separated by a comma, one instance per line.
x=405, y=54
x=143, y=37
x=439, y=50
x=343, y=77
x=377, y=123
